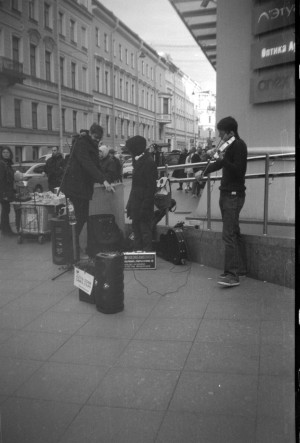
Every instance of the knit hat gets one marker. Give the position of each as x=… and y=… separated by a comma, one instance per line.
x=104, y=149
x=136, y=145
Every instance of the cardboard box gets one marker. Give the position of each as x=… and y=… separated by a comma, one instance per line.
x=139, y=260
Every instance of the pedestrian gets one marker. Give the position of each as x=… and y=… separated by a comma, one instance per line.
x=107, y=165
x=189, y=170
x=82, y=172
x=180, y=173
x=158, y=158
x=233, y=162
x=196, y=158
x=54, y=169
x=118, y=165
x=140, y=206
x=7, y=191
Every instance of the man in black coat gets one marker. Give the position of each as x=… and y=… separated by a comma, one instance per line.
x=82, y=172
x=140, y=206
x=54, y=169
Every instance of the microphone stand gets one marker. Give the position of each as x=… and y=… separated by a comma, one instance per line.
x=70, y=219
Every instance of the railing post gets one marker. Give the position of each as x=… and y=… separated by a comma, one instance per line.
x=208, y=203
x=266, y=195
x=167, y=210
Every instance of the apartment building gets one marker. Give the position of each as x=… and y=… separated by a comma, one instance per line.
x=65, y=64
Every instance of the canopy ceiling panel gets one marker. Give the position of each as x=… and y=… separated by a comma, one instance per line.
x=200, y=17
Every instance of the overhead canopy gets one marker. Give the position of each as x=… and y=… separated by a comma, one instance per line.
x=200, y=17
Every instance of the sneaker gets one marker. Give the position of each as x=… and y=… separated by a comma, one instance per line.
x=224, y=275
x=229, y=281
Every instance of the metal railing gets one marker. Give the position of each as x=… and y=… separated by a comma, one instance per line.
x=266, y=175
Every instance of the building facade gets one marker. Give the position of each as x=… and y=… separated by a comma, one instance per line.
x=65, y=64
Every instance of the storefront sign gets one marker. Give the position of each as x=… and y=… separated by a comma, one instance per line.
x=273, y=15
x=275, y=50
x=273, y=85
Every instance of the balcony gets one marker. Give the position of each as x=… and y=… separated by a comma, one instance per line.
x=164, y=118
x=11, y=72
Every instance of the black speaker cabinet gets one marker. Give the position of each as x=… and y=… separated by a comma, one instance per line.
x=62, y=246
x=109, y=282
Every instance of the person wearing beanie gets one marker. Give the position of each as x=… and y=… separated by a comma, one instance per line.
x=82, y=172
x=140, y=206
x=233, y=162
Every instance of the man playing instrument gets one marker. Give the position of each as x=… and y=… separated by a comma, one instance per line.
x=232, y=159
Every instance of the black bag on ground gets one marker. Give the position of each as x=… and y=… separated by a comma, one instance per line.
x=172, y=246
x=103, y=234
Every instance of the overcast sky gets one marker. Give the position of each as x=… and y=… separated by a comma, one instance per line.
x=159, y=25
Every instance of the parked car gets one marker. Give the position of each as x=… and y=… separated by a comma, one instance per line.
x=34, y=175
x=127, y=168
x=45, y=157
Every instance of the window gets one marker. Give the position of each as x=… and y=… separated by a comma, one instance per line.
x=73, y=31
x=114, y=48
x=83, y=38
x=128, y=128
x=48, y=65
x=73, y=75
x=106, y=42
x=49, y=118
x=61, y=23
x=126, y=56
x=32, y=9
x=47, y=15
x=132, y=60
x=108, y=125
x=74, y=120
x=151, y=73
x=122, y=128
x=33, y=60
x=34, y=114
x=99, y=118
x=116, y=126
x=106, y=89
x=120, y=52
x=132, y=94
x=35, y=153
x=85, y=120
x=133, y=128
x=62, y=70
x=16, y=49
x=127, y=92
x=18, y=153
x=121, y=89
x=97, y=37
x=15, y=5
x=165, y=106
x=84, y=79
x=98, y=79
x=63, y=119
x=143, y=67
x=17, y=105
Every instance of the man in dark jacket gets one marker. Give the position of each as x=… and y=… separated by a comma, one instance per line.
x=82, y=172
x=233, y=162
x=140, y=206
x=54, y=169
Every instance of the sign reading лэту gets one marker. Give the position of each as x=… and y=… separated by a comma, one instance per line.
x=273, y=15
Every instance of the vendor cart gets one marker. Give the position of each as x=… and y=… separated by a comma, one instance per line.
x=35, y=216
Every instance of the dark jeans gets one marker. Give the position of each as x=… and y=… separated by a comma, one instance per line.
x=81, y=209
x=235, y=256
x=5, y=210
x=142, y=235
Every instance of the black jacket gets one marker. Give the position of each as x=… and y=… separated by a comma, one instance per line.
x=233, y=165
x=140, y=205
x=179, y=173
x=6, y=180
x=83, y=170
x=54, y=169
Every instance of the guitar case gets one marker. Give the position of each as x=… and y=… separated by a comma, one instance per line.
x=172, y=246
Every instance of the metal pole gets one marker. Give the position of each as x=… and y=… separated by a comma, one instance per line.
x=266, y=195
x=208, y=203
x=59, y=81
